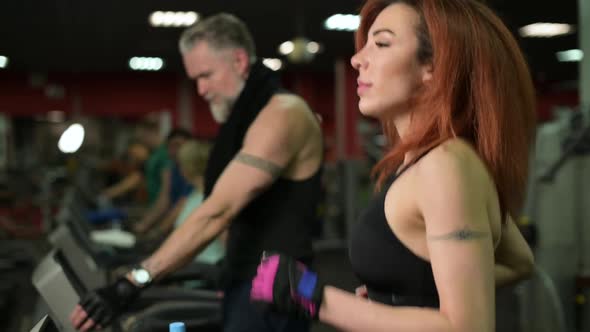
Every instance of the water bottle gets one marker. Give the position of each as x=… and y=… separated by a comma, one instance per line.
x=177, y=327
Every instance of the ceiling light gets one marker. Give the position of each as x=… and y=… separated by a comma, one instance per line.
x=71, y=139
x=3, y=61
x=286, y=47
x=190, y=18
x=173, y=19
x=272, y=63
x=313, y=47
x=545, y=30
x=570, y=56
x=342, y=22
x=299, y=49
x=146, y=63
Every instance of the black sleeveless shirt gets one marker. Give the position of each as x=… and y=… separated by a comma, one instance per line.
x=391, y=272
x=280, y=219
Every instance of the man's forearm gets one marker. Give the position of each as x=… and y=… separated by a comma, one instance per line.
x=201, y=227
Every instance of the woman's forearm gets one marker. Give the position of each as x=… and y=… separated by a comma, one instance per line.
x=506, y=275
x=351, y=313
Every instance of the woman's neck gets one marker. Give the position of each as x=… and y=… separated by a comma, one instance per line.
x=402, y=124
x=402, y=120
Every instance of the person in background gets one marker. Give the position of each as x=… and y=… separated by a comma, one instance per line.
x=173, y=189
x=148, y=132
x=137, y=156
x=192, y=159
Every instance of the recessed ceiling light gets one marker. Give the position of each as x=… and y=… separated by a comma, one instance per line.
x=146, y=63
x=570, y=56
x=273, y=63
x=286, y=47
x=313, y=47
x=545, y=30
x=3, y=61
x=342, y=22
x=173, y=19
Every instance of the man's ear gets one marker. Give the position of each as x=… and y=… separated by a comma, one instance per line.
x=241, y=61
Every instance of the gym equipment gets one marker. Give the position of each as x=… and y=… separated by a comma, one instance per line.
x=60, y=289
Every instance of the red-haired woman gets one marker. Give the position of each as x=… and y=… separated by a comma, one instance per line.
x=451, y=88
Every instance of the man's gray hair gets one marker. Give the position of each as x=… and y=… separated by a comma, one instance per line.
x=220, y=31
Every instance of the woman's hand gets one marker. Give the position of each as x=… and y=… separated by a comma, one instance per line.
x=285, y=285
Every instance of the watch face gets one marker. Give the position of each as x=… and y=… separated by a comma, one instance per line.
x=141, y=276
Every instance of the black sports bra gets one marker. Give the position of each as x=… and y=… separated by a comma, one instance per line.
x=392, y=273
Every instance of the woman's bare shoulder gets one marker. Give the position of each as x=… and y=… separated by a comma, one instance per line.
x=454, y=164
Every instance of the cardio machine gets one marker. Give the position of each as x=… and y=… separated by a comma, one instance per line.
x=61, y=288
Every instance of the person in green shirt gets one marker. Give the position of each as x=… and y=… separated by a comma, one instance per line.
x=158, y=161
x=173, y=187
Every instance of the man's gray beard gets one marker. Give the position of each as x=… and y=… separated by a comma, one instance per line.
x=222, y=110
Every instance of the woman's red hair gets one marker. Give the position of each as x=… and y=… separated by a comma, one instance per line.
x=481, y=90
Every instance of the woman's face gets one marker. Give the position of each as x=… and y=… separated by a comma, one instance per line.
x=388, y=66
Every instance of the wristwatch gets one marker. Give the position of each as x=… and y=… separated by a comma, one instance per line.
x=141, y=276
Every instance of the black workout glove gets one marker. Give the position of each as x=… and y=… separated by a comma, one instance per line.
x=287, y=286
x=107, y=303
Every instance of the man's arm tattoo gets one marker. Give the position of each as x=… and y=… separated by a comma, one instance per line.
x=464, y=234
x=264, y=165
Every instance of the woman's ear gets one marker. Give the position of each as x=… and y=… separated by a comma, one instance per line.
x=427, y=72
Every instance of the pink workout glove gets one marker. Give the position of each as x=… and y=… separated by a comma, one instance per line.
x=287, y=286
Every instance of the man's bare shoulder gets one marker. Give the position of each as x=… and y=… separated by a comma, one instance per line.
x=287, y=100
x=286, y=110
x=286, y=122
x=286, y=105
